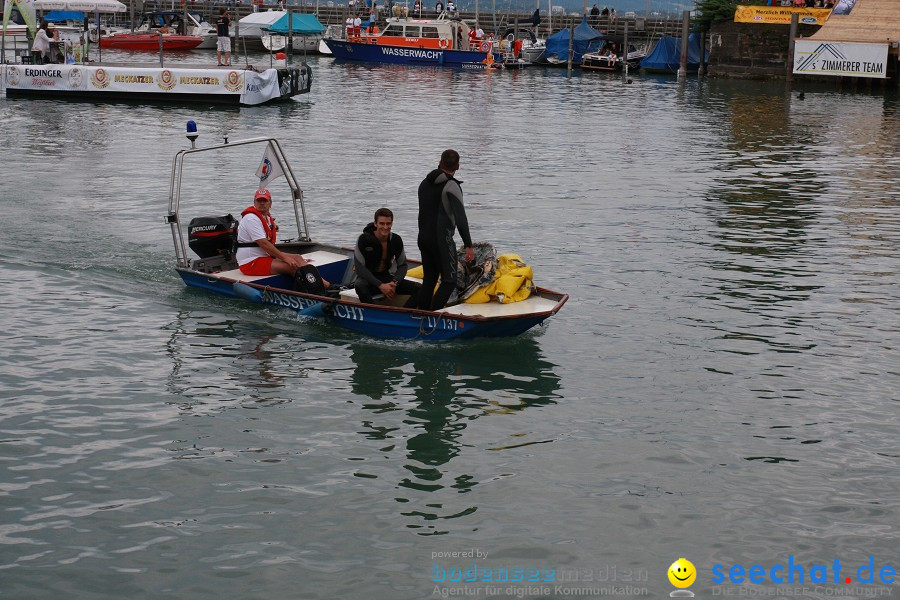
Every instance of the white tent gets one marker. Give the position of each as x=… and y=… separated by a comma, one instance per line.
x=253, y=24
x=88, y=6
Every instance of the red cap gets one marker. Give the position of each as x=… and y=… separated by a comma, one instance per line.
x=263, y=194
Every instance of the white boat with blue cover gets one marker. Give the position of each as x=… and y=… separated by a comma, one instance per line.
x=214, y=269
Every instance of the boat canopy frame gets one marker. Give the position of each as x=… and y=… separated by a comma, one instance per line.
x=172, y=217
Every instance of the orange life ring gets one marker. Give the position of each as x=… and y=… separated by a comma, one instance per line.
x=485, y=46
x=444, y=43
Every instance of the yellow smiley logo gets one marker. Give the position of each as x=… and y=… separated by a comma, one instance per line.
x=682, y=573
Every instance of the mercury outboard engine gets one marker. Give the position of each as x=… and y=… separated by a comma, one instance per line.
x=213, y=236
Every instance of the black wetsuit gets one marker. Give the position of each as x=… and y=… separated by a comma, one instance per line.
x=368, y=257
x=441, y=212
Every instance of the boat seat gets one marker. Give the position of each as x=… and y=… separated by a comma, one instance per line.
x=321, y=259
x=237, y=275
x=350, y=295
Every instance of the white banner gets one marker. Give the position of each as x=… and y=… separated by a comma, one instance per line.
x=261, y=87
x=848, y=59
x=253, y=88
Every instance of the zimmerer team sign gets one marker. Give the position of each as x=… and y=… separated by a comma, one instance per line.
x=846, y=59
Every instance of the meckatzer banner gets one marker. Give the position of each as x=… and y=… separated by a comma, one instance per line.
x=780, y=15
x=846, y=59
x=253, y=88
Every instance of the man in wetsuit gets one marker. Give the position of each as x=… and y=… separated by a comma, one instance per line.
x=380, y=262
x=441, y=212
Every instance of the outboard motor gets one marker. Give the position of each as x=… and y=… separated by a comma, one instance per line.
x=213, y=236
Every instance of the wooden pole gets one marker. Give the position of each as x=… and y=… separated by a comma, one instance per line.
x=494, y=16
x=549, y=18
x=791, y=37
x=702, y=69
x=571, y=48
x=685, y=28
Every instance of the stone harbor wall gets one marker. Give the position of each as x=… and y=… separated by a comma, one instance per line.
x=751, y=51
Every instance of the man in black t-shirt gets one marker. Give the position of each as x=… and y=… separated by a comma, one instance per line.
x=223, y=42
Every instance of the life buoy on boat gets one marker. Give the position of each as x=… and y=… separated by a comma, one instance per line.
x=444, y=43
x=485, y=46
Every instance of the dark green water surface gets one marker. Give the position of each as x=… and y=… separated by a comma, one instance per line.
x=722, y=385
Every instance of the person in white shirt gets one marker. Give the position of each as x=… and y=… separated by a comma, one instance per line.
x=41, y=46
x=256, y=237
x=357, y=26
x=349, y=26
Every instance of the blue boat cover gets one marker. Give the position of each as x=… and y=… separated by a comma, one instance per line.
x=666, y=56
x=302, y=24
x=55, y=16
x=586, y=39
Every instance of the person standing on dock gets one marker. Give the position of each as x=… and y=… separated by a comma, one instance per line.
x=223, y=41
x=441, y=212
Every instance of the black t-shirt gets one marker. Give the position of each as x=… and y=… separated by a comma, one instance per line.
x=222, y=24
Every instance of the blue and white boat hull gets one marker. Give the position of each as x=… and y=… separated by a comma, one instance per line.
x=380, y=321
x=464, y=59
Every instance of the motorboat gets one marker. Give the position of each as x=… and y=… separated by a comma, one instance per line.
x=331, y=31
x=150, y=42
x=584, y=39
x=180, y=22
x=433, y=42
x=605, y=60
x=532, y=48
x=253, y=35
x=212, y=266
x=300, y=44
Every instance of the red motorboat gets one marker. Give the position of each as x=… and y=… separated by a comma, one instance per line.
x=149, y=42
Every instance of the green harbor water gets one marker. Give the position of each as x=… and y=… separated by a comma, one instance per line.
x=721, y=386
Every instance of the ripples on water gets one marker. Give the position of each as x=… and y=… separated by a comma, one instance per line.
x=720, y=386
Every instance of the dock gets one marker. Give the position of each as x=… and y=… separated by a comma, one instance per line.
x=244, y=85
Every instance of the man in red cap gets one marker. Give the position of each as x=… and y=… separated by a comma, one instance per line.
x=257, y=233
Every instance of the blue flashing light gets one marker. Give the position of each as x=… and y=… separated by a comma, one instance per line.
x=191, y=127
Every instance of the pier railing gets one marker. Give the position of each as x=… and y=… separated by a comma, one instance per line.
x=640, y=29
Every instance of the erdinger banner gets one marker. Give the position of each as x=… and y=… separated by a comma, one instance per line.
x=253, y=88
x=780, y=15
x=847, y=59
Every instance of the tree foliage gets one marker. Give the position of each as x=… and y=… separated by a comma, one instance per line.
x=710, y=11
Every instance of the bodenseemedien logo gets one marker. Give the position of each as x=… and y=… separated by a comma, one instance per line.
x=682, y=574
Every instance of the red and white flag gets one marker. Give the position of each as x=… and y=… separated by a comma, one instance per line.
x=269, y=169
